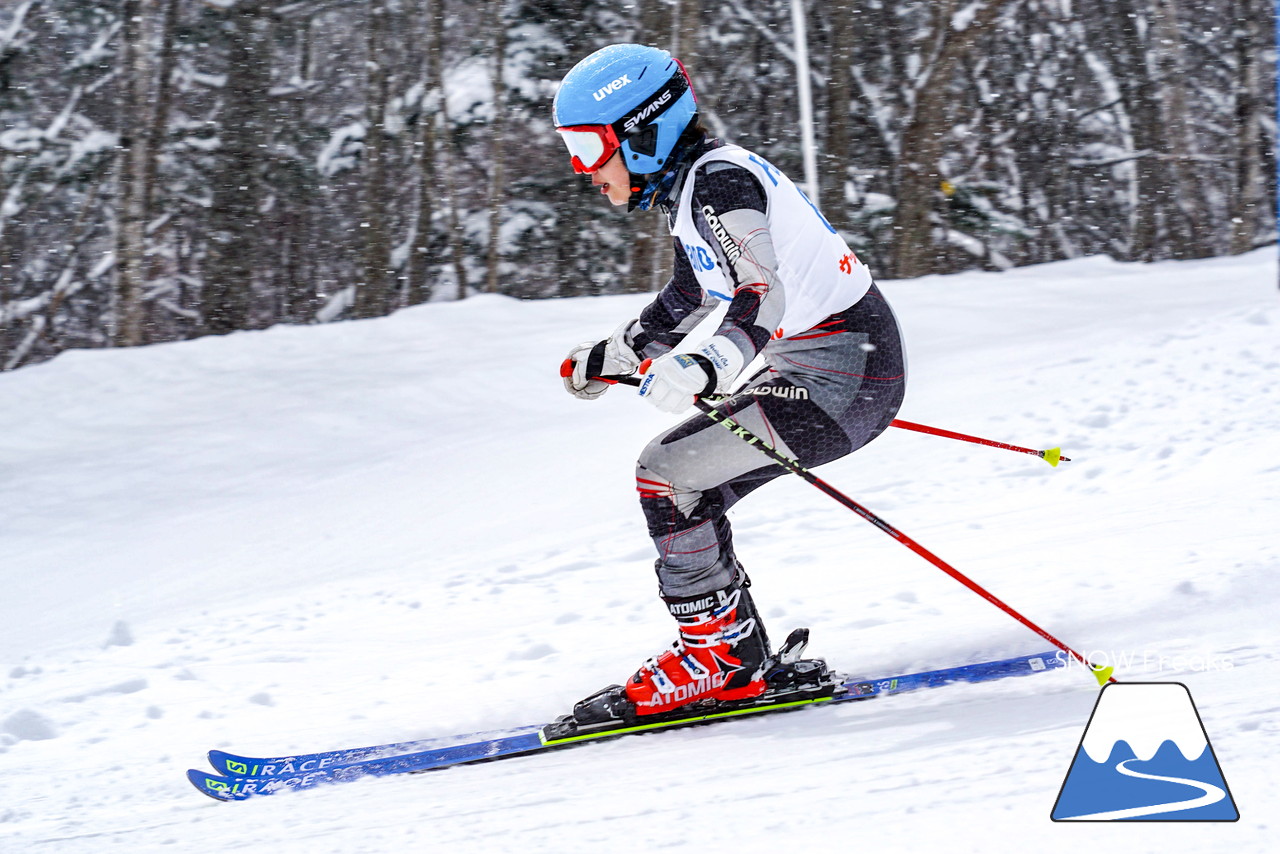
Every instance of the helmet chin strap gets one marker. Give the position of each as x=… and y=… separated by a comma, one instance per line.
x=649, y=190
x=639, y=189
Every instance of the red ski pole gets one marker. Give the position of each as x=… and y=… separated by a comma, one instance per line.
x=1102, y=674
x=1052, y=456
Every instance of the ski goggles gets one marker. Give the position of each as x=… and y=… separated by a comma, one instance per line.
x=590, y=146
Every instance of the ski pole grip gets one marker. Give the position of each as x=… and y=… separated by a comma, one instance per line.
x=566, y=371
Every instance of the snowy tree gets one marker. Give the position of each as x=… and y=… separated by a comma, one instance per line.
x=173, y=168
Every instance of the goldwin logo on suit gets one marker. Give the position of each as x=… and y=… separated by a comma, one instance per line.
x=731, y=250
x=791, y=392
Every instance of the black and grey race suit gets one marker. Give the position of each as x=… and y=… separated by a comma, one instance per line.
x=828, y=386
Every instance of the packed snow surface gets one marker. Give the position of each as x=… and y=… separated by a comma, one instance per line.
x=310, y=538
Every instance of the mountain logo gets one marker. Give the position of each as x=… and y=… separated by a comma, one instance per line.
x=1145, y=756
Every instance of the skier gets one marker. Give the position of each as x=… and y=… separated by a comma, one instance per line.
x=833, y=370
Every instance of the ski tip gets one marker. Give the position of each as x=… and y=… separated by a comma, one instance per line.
x=1053, y=456
x=1102, y=674
x=218, y=788
x=230, y=764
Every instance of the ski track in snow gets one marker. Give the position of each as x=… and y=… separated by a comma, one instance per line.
x=311, y=538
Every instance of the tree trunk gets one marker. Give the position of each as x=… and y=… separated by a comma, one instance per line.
x=372, y=294
x=497, y=157
x=918, y=177
x=420, y=257
x=158, y=265
x=835, y=155
x=1151, y=186
x=237, y=186
x=299, y=283
x=444, y=131
x=7, y=276
x=424, y=161
x=1191, y=237
x=135, y=158
x=686, y=28
x=1248, y=195
x=651, y=253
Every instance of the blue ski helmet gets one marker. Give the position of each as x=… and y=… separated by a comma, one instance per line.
x=626, y=96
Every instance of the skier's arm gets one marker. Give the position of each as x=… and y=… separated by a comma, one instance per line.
x=679, y=307
x=729, y=211
x=729, y=208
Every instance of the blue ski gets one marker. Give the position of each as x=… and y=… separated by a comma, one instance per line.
x=233, y=765
x=245, y=777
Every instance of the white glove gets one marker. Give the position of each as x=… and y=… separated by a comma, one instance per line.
x=672, y=382
x=614, y=356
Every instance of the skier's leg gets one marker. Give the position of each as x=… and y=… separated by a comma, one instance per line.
x=720, y=653
x=688, y=478
x=821, y=398
x=825, y=397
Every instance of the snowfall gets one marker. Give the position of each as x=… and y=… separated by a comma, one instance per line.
x=329, y=536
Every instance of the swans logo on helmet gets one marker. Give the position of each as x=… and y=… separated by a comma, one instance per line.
x=633, y=122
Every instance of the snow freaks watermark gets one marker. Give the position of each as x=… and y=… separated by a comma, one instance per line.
x=1146, y=661
x=1145, y=756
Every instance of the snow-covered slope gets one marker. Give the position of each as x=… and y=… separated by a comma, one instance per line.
x=318, y=537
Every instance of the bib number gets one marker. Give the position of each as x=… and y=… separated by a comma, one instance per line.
x=773, y=172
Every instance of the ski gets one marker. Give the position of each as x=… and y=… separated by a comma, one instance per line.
x=233, y=765
x=244, y=777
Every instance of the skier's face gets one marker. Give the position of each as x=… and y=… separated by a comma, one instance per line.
x=613, y=180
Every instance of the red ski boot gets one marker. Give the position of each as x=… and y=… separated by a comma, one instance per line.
x=720, y=655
